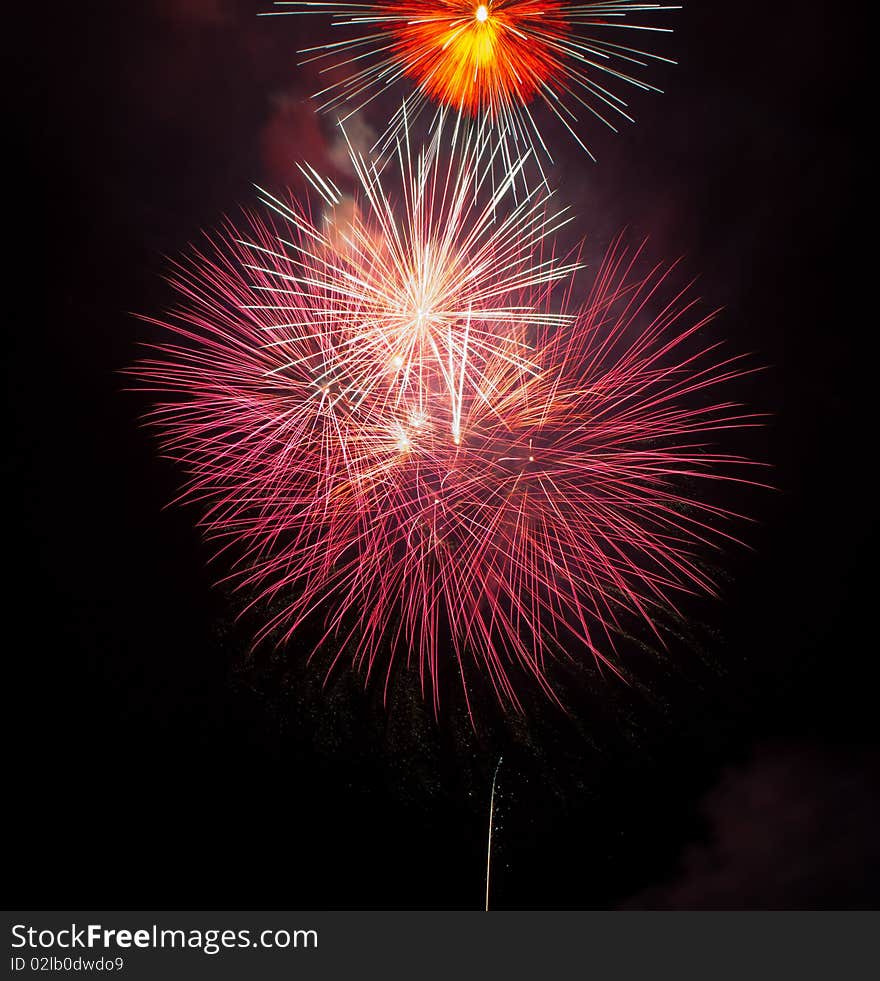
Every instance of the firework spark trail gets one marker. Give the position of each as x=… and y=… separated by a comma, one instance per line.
x=400, y=432
x=491, y=826
x=487, y=61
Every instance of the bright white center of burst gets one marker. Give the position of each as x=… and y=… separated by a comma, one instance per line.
x=397, y=361
x=482, y=13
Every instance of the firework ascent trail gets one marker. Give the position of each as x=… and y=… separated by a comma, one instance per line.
x=491, y=826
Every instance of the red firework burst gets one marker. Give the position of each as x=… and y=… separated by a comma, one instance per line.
x=393, y=434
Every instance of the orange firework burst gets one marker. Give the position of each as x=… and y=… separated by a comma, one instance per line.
x=481, y=57
x=493, y=62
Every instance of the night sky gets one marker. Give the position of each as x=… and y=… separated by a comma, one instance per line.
x=156, y=764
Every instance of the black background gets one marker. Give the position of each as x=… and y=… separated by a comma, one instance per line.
x=152, y=763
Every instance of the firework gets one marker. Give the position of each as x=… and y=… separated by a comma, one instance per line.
x=491, y=828
x=403, y=436
x=490, y=61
